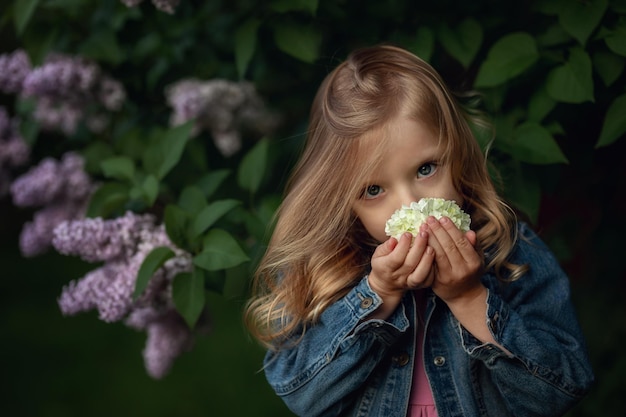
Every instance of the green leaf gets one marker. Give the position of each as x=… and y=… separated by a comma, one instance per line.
x=252, y=167
x=210, y=182
x=572, y=82
x=118, y=167
x=508, y=57
x=608, y=66
x=553, y=36
x=211, y=213
x=245, y=44
x=220, y=251
x=150, y=187
x=188, y=295
x=464, y=42
x=192, y=199
x=23, y=10
x=255, y=227
x=284, y=6
x=146, y=46
x=29, y=129
x=580, y=18
x=153, y=261
x=616, y=40
x=102, y=45
x=535, y=145
x=301, y=42
x=95, y=152
x=108, y=198
x=166, y=150
x=614, y=125
x=540, y=105
x=177, y=223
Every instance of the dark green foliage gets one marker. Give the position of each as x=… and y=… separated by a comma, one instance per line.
x=551, y=75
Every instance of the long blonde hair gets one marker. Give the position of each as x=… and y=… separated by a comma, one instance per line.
x=319, y=250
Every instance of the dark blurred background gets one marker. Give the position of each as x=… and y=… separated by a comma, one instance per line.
x=74, y=366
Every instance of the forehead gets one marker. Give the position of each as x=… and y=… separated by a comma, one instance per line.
x=400, y=137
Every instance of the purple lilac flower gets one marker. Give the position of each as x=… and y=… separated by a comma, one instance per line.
x=168, y=338
x=167, y=6
x=78, y=184
x=54, y=115
x=14, y=152
x=113, y=295
x=70, y=90
x=78, y=296
x=51, y=180
x=62, y=77
x=61, y=188
x=103, y=240
x=39, y=186
x=111, y=93
x=123, y=244
x=220, y=107
x=109, y=289
x=14, y=68
x=36, y=235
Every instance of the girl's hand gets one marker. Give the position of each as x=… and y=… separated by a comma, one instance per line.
x=458, y=267
x=458, y=264
x=398, y=266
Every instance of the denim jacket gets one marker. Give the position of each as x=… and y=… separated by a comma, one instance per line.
x=349, y=365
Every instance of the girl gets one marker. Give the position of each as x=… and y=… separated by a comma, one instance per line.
x=446, y=323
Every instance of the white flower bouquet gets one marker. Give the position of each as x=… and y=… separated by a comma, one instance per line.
x=410, y=218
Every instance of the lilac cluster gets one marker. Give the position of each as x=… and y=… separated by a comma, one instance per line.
x=68, y=90
x=167, y=6
x=122, y=244
x=61, y=189
x=14, y=68
x=14, y=152
x=221, y=107
x=168, y=338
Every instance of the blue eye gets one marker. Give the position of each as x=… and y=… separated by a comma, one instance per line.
x=427, y=170
x=372, y=191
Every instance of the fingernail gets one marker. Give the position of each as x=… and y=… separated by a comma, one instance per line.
x=431, y=220
x=443, y=220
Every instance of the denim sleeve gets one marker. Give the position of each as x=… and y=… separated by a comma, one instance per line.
x=534, y=320
x=335, y=356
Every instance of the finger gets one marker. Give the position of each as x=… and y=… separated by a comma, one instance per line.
x=439, y=240
x=453, y=242
x=471, y=236
x=423, y=275
x=385, y=248
x=395, y=250
x=420, y=242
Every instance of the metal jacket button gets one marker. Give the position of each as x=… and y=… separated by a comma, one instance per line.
x=439, y=360
x=367, y=302
x=401, y=359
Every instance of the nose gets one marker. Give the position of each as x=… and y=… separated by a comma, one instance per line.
x=406, y=196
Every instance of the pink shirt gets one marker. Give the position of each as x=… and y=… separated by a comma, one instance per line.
x=421, y=402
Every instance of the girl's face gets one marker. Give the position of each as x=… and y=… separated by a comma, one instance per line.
x=410, y=169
